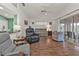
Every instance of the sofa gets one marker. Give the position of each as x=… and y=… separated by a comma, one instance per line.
x=31, y=36
x=7, y=48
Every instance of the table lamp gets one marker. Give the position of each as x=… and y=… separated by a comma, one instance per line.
x=17, y=29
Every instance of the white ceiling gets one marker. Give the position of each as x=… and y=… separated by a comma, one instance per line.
x=33, y=10
x=5, y=12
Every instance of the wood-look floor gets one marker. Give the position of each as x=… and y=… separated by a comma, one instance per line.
x=48, y=47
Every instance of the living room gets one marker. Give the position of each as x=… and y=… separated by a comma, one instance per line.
x=39, y=29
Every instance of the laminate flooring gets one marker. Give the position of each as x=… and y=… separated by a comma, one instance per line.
x=48, y=47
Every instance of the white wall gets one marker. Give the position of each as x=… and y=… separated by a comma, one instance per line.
x=20, y=20
x=40, y=25
x=35, y=25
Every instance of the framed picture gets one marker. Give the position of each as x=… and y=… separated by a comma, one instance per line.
x=50, y=23
x=32, y=22
x=25, y=22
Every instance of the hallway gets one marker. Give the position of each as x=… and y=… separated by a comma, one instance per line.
x=49, y=47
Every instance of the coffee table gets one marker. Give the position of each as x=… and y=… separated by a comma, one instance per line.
x=19, y=41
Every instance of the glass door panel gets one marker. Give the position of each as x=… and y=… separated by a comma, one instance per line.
x=76, y=30
x=70, y=27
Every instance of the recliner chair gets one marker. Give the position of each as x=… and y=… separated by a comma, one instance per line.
x=31, y=36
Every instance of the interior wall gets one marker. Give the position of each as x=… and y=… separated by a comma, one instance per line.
x=20, y=21
x=10, y=24
x=67, y=12
x=3, y=22
x=35, y=25
x=7, y=23
x=44, y=26
x=55, y=23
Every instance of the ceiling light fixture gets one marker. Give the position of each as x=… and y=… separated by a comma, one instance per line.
x=45, y=13
x=1, y=7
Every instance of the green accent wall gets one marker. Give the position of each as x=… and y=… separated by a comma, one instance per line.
x=10, y=22
x=2, y=17
x=15, y=19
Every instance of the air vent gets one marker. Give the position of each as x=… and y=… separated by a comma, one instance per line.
x=23, y=4
x=43, y=11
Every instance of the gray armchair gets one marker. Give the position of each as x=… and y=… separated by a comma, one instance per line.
x=7, y=48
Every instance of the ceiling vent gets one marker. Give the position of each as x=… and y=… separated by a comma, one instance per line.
x=23, y=4
x=43, y=11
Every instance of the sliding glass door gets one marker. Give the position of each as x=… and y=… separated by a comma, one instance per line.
x=71, y=29
x=69, y=23
x=76, y=29
x=77, y=33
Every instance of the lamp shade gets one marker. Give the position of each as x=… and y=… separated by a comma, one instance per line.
x=49, y=27
x=16, y=28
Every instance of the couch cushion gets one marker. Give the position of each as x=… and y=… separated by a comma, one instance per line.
x=10, y=49
x=5, y=45
x=3, y=37
x=23, y=48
